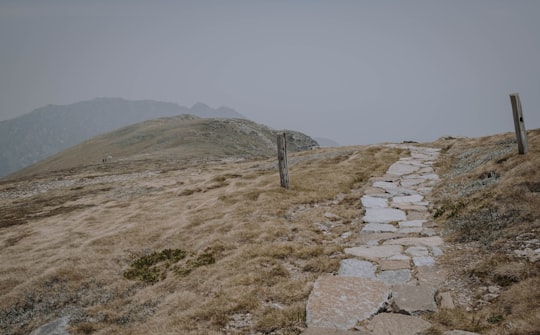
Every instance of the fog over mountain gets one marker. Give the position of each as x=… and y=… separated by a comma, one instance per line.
x=358, y=72
x=29, y=138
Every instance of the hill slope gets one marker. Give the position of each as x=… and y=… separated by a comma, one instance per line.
x=45, y=131
x=218, y=247
x=179, y=138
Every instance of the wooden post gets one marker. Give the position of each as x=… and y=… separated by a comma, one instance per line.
x=282, y=160
x=519, y=124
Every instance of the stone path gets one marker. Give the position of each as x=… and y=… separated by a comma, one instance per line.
x=389, y=279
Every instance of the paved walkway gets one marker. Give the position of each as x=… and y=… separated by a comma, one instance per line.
x=390, y=277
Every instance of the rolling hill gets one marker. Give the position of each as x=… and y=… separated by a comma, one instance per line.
x=32, y=137
x=180, y=138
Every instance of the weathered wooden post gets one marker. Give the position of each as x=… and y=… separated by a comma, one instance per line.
x=519, y=124
x=282, y=160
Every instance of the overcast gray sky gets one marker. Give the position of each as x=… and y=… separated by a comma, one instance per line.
x=358, y=72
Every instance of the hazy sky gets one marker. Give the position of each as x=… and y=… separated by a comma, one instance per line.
x=358, y=72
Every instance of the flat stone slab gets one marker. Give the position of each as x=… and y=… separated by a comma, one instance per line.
x=393, y=323
x=369, y=201
x=55, y=327
x=408, y=182
x=385, y=185
x=401, y=168
x=395, y=264
x=395, y=277
x=340, y=302
x=431, y=275
x=384, y=215
x=379, y=228
x=374, y=252
x=417, y=251
x=432, y=241
x=409, y=199
x=423, y=261
x=399, y=257
x=411, y=224
x=414, y=299
x=357, y=268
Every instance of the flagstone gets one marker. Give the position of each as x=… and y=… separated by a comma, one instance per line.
x=374, y=252
x=394, y=264
x=370, y=201
x=401, y=168
x=423, y=261
x=414, y=299
x=431, y=241
x=394, y=277
x=384, y=215
x=398, y=257
x=417, y=251
x=411, y=223
x=341, y=301
x=379, y=228
x=407, y=199
x=357, y=268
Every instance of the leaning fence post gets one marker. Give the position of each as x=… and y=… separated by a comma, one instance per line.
x=282, y=160
x=519, y=124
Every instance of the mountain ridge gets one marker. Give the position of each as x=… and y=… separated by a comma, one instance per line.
x=47, y=130
x=178, y=138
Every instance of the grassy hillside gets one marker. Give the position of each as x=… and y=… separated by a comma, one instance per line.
x=180, y=138
x=488, y=206
x=48, y=130
x=163, y=246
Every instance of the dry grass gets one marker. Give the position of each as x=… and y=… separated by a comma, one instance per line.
x=213, y=248
x=488, y=206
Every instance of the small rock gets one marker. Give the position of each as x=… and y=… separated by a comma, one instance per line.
x=346, y=234
x=494, y=289
x=331, y=216
x=459, y=332
x=445, y=300
x=436, y=252
x=55, y=327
